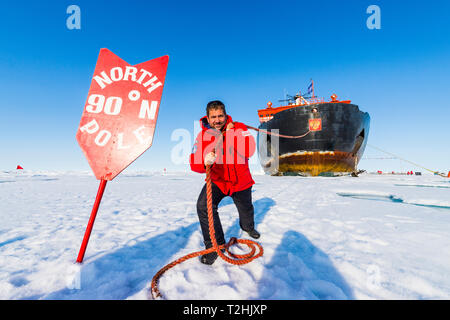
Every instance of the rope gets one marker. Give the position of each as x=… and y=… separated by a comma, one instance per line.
x=415, y=164
x=256, y=250
x=395, y=156
x=277, y=134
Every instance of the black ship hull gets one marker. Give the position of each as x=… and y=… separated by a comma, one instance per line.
x=337, y=145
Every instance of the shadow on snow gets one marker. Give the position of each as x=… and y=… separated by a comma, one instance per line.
x=299, y=270
x=262, y=207
x=128, y=270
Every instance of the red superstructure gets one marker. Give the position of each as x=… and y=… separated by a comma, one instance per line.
x=299, y=101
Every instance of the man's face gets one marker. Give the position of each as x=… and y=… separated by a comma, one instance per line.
x=216, y=119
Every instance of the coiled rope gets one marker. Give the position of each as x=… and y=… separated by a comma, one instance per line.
x=256, y=250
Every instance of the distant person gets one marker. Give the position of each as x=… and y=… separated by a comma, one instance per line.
x=230, y=174
x=298, y=98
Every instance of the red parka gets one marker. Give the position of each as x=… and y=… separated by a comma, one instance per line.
x=230, y=172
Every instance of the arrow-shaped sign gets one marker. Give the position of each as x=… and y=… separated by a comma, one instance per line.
x=119, y=118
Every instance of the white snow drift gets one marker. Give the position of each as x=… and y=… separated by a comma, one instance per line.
x=371, y=237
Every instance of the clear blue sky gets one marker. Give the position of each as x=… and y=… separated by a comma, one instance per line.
x=242, y=52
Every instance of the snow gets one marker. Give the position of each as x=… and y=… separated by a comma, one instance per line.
x=371, y=237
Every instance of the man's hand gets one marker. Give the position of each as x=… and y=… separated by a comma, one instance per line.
x=230, y=126
x=210, y=158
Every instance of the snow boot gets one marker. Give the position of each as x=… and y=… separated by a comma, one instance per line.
x=209, y=258
x=254, y=234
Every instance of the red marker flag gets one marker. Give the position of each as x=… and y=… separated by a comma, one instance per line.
x=119, y=118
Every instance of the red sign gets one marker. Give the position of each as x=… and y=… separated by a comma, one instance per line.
x=119, y=118
x=315, y=124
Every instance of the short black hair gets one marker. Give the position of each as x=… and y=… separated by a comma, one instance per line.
x=215, y=104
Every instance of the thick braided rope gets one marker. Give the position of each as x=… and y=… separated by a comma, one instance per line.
x=279, y=135
x=232, y=258
x=236, y=259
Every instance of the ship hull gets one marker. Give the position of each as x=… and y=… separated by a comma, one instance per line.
x=337, y=145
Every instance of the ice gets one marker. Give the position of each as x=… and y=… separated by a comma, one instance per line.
x=370, y=237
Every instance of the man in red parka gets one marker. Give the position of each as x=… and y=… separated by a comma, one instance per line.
x=226, y=146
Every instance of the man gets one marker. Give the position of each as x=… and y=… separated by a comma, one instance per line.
x=226, y=146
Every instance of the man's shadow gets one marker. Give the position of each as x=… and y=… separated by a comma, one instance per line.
x=300, y=270
x=262, y=207
x=126, y=271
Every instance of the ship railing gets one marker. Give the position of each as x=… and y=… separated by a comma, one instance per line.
x=316, y=100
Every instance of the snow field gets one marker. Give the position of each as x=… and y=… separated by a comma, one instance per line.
x=371, y=237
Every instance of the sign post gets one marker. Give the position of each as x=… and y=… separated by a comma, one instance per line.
x=87, y=233
x=119, y=119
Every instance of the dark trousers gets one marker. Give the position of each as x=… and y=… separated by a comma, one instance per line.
x=242, y=200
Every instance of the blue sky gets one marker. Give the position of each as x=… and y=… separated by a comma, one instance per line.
x=244, y=53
